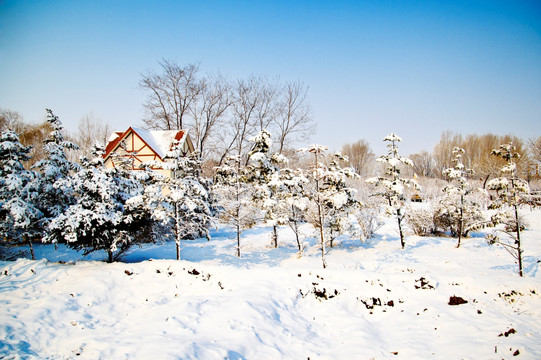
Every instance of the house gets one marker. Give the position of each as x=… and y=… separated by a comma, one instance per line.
x=145, y=145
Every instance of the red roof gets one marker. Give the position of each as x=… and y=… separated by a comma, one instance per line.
x=157, y=145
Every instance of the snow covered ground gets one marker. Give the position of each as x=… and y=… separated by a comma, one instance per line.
x=373, y=301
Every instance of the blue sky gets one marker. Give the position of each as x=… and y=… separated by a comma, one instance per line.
x=416, y=68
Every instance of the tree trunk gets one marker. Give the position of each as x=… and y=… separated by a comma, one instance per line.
x=485, y=182
x=519, y=248
x=461, y=220
x=109, y=256
x=296, y=230
x=177, y=231
x=321, y=234
x=275, y=236
x=399, y=218
x=332, y=240
x=32, y=255
x=238, y=240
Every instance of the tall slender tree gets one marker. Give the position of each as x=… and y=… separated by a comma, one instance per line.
x=460, y=213
x=234, y=197
x=262, y=165
x=183, y=201
x=508, y=188
x=53, y=199
x=392, y=183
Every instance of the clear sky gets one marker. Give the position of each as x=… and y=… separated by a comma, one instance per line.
x=415, y=68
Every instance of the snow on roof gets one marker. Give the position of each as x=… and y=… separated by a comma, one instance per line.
x=115, y=136
x=159, y=141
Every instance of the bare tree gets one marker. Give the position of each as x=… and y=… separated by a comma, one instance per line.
x=535, y=148
x=34, y=135
x=477, y=148
x=423, y=164
x=361, y=157
x=11, y=120
x=266, y=109
x=534, y=145
x=91, y=130
x=208, y=111
x=170, y=94
x=294, y=114
x=244, y=121
x=443, y=151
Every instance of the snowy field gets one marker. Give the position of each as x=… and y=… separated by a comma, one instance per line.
x=374, y=301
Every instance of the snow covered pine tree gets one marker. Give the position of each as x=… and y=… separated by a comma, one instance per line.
x=181, y=201
x=20, y=219
x=261, y=167
x=234, y=197
x=508, y=188
x=288, y=187
x=100, y=219
x=456, y=210
x=341, y=204
x=334, y=201
x=52, y=197
x=392, y=183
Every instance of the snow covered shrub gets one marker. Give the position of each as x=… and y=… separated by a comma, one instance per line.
x=368, y=217
x=101, y=219
x=421, y=221
x=447, y=218
x=430, y=188
x=508, y=189
x=511, y=223
x=392, y=184
x=368, y=221
x=20, y=218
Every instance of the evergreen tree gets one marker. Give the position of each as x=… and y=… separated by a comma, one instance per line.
x=340, y=199
x=456, y=210
x=316, y=176
x=392, y=184
x=508, y=188
x=53, y=199
x=261, y=168
x=184, y=198
x=334, y=201
x=101, y=218
x=288, y=187
x=235, y=197
x=20, y=219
